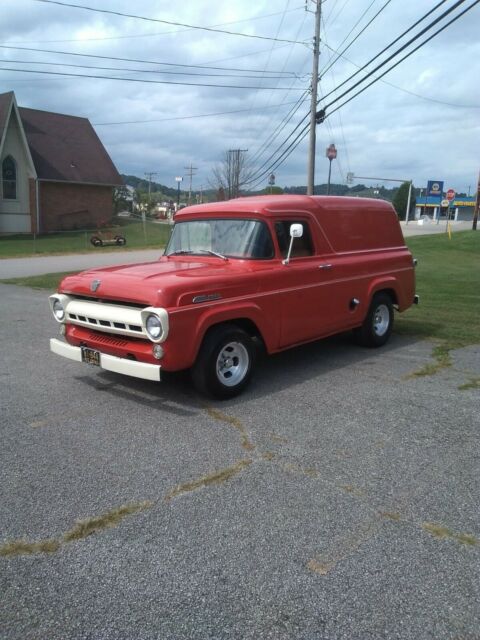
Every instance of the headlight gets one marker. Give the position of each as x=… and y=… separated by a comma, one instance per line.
x=153, y=326
x=58, y=310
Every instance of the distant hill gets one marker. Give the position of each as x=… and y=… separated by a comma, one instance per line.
x=359, y=190
x=142, y=185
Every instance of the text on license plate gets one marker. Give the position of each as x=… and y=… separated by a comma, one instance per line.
x=90, y=356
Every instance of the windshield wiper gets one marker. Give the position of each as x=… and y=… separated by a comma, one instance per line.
x=187, y=252
x=212, y=253
x=180, y=252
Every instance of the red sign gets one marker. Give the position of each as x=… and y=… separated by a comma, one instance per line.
x=331, y=152
x=450, y=195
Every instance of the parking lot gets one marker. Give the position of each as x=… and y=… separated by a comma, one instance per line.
x=337, y=498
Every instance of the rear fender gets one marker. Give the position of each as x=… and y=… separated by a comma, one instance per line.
x=388, y=283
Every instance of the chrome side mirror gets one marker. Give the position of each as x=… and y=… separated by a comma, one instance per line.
x=296, y=231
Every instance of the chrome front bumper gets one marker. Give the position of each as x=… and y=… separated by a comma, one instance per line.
x=109, y=363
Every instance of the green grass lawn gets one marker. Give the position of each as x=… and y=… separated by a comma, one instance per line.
x=16, y=246
x=448, y=282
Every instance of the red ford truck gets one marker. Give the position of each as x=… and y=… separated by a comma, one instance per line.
x=276, y=270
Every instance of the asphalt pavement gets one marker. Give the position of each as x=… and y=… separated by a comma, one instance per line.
x=336, y=498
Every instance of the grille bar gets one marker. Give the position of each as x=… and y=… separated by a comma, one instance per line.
x=106, y=317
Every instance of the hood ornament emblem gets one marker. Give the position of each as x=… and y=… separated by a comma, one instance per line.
x=94, y=285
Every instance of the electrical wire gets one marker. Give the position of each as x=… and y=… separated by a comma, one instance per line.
x=404, y=57
x=175, y=24
x=305, y=130
x=151, y=35
x=155, y=62
x=143, y=80
x=179, y=73
x=404, y=33
x=200, y=115
x=339, y=55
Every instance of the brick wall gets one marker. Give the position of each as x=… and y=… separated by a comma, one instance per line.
x=73, y=206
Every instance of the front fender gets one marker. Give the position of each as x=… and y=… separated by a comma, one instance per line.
x=212, y=316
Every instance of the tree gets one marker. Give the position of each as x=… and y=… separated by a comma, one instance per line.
x=273, y=190
x=400, y=201
x=232, y=174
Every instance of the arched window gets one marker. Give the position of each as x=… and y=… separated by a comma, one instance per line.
x=9, y=178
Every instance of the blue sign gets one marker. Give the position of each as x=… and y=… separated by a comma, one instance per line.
x=435, y=189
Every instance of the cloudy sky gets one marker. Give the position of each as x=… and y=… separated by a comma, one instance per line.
x=203, y=91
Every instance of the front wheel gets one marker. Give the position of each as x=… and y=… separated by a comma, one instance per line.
x=225, y=362
x=378, y=324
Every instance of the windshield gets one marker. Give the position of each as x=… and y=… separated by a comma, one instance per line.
x=234, y=238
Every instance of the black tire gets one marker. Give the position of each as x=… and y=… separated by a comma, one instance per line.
x=233, y=346
x=120, y=240
x=96, y=241
x=378, y=324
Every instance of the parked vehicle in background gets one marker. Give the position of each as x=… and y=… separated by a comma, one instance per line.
x=276, y=271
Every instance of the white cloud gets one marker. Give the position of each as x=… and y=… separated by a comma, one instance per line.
x=383, y=131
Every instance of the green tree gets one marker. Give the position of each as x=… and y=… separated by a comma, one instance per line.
x=400, y=201
x=273, y=190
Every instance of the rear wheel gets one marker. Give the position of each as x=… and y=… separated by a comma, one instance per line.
x=378, y=324
x=225, y=362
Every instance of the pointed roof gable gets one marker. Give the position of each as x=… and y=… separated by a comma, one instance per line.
x=6, y=100
x=67, y=149
x=9, y=111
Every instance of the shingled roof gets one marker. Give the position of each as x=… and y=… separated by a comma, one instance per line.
x=66, y=148
x=5, y=101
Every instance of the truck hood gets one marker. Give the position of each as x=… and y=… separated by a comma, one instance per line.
x=167, y=282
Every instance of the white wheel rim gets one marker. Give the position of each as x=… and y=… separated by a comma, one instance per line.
x=232, y=364
x=381, y=320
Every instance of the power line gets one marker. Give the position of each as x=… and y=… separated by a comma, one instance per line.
x=403, y=47
x=412, y=93
x=156, y=71
x=156, y=62
x=142, y=80
x=151, y=35
x=404, y=57
x=304, y=131
x=339, y=55
x=175, y=24
x=404, y=33
x=201, y=115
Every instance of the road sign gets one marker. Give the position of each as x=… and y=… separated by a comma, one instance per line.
x=331, y=152
x=450, y=194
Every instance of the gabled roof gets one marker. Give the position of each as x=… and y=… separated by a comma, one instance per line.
x=66, y=148
x=5, y=103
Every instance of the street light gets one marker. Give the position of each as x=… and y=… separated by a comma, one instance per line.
x=178, y=180
x=331, y=154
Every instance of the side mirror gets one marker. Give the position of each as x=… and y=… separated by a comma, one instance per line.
x=296, y=231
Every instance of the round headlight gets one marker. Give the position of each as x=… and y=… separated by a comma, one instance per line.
x=154, y=327
x=58, y=310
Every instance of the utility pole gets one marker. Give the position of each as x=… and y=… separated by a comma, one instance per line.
x=149, y=175
x=190, y=173
x=313, y=103
x=477, y=204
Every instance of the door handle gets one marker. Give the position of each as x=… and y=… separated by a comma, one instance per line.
x=325, y=266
